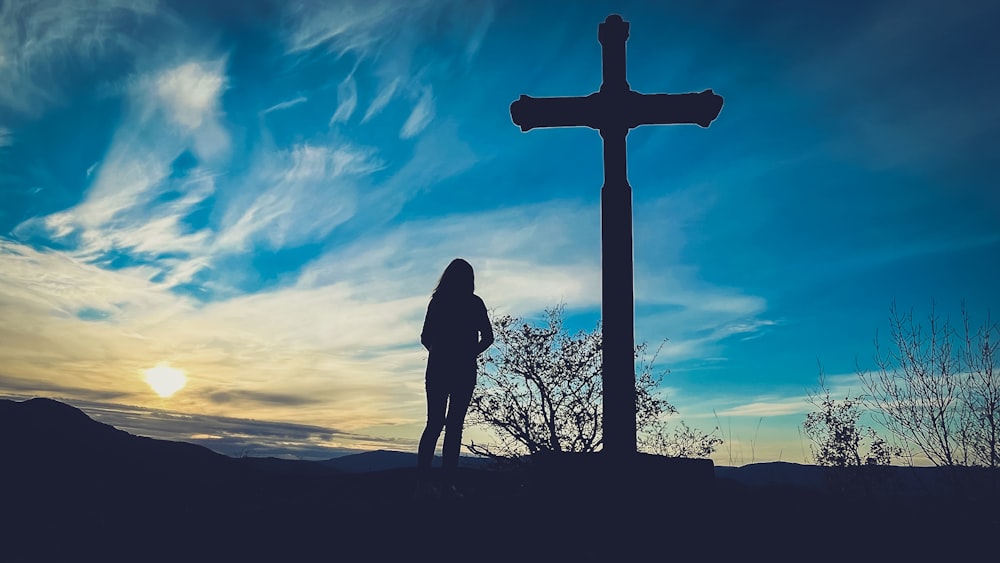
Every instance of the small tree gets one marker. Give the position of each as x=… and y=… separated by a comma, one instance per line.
x=981, y=392
x=854, y=452
x=540, y=390
x=938, y=391
x=682, y=441
x=838, y=437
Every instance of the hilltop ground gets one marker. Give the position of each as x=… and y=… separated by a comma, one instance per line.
x=75, y=490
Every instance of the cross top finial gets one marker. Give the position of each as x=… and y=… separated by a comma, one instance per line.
x=614, y=29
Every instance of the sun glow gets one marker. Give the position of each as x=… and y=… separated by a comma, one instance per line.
x=165, y=380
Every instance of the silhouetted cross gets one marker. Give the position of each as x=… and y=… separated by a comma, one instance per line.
x=613, y=110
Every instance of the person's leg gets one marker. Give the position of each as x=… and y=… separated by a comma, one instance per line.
x=437, y=400
x=458, y=405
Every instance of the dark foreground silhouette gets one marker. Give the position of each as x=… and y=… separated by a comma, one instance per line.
x=75, y=489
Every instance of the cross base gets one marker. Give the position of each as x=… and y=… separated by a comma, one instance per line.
x=589, y=477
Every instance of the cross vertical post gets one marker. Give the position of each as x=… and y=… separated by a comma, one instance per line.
x=617, y=296
x=617, y=300
x=613, y=111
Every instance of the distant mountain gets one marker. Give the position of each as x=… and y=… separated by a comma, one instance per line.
x=289, y=467
x=779, y=473
x=383, y=460
x=898, y=480
x=44, y=436
x=379, y=460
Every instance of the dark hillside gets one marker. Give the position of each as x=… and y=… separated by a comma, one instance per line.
x=78, y=490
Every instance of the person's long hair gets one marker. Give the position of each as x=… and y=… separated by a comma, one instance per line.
x=457, y=279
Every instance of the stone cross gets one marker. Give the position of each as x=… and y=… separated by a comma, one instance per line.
x=613, y=110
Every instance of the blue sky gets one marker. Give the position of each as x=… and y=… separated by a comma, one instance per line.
x=263, y=194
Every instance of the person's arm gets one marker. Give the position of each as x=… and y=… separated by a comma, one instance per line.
x=427, y=333
x=485, y=330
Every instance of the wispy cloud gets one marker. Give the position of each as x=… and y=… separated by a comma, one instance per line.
x=137, y=202
x=188, y=96
x=439, y=154
x=420, y=116
x=38, y=40
x=672, y=299
x=786, y=400
x=773, y=406
x=295, y=196
x=6, y=137
x=285, y=105
x=347, y=100
x=514, y=272
x=122, y=212
x=478, y=32
x=341, y=27
x=190, y=92
x=385, y=94
x=367, y=26
x=370, y=32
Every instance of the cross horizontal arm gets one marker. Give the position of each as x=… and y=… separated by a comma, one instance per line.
x=529, y=113
x=667, y=109
x=617, y=112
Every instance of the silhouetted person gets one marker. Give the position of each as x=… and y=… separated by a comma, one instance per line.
x=456, y=330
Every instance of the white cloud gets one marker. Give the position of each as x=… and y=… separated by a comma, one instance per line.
x=169, y=112
x=370, y=30
x=121, y=212
x=136, y=207
x=420, y=116
x=385, y=94
x=285, y=105
x=515, y=272
x=697, y=317
x=190, y=92
x=127, y=178
x=348, y=25
x=347, y=100
x=188, y=96
x=6, y=137
x=62, y=285
x=295, y=196
x=366, y=27
x=774, y=406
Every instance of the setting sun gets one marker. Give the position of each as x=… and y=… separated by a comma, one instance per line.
x=165, y=380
